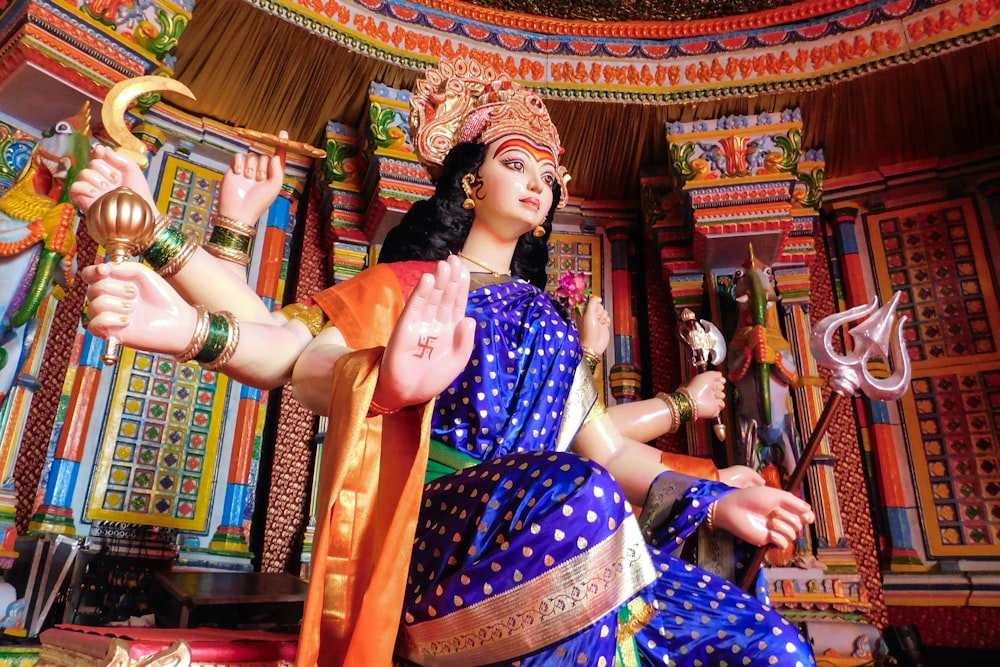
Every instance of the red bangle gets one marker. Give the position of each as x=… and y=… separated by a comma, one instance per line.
x=376, y=410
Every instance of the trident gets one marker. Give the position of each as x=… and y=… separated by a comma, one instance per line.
x=850, y=374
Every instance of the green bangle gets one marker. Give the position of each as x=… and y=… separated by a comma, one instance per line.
x=228, y=238
x=168, y=244
x=218, y=337
x=685, y=411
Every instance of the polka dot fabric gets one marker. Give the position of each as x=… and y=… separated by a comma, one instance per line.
x=510, y=397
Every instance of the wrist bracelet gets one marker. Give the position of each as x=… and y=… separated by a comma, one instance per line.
x=232, y=224
x=220, y=344
x=683, y=405
x=230, y=239
x=675, y=418
x=710, y=519
x=691, y=401
x=232, y=328
x=227, y=254
x=199, y=336
x=592, y=359
x=170, y=250
x=376, y=410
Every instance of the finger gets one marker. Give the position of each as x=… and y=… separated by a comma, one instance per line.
x=441, y=275
x=107, y=324
x=784, y=528
x=446, y=308
x=795, y=505
x=464, y=339
x=418, y=298
x=239, y=162
x=462, y=295
x=251, y=166
x=777, y=539
x=276, y=167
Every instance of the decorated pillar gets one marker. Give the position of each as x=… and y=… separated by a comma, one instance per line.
x=624, y=376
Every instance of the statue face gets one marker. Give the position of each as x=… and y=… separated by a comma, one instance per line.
x=515, y=193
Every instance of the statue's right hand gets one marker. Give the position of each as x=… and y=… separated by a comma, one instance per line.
x=107, y=171
x=432, y=341
x=131, y=303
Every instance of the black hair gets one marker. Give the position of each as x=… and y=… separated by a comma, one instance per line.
x=437, y=227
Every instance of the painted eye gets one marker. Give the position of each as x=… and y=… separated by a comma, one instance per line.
x=549, y=179
x=63, y=128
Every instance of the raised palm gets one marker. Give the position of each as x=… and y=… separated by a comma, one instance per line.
x=432, y=340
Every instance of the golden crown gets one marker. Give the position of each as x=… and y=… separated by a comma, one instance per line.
x=464, y=100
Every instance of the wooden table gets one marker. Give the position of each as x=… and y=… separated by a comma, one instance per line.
x=234, y=600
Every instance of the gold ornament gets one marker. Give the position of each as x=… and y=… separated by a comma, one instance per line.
x=117, y=102
x=462, y=100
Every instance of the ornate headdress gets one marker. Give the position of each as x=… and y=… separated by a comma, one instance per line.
x=463, y=100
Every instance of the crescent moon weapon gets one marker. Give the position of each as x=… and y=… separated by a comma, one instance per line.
x=120, y=98
x=850, y=374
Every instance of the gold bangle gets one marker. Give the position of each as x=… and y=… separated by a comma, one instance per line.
x=690, y=398
x=232, y=224
x=227, y=254
x=199, y=336
x=675, y=418
x=592, y=358
x=178, y=262
x=232, y=340
x=710, y=519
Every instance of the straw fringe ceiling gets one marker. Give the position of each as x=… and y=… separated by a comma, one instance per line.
x=250, y=68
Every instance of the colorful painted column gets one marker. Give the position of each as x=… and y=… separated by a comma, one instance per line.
x=625, y=377
x=231, y=535
x=55, y=514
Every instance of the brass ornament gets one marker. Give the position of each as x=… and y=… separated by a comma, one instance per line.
x=120, y=98
x=467, y=182
x=124, y=224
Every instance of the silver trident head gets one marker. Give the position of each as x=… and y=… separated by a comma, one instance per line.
x=871, y=340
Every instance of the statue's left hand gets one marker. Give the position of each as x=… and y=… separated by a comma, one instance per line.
x=107, y=171
x=595, y=326
x=763, y=515
x=251, y=184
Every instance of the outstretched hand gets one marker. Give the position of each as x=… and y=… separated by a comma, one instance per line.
x=251, y=184
x=432, y=340
x=595, y=326
x=763, y=515
x=131, y=303
x=107, y=171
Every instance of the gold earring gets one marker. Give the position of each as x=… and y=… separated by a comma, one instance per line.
x=539, y=232
x=467, y=182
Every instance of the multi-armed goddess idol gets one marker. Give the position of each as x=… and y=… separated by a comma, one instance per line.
x=524, y=550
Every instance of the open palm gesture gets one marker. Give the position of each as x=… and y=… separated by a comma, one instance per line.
x=432, y=340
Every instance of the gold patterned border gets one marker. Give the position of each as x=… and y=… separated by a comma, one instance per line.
x=557, y=604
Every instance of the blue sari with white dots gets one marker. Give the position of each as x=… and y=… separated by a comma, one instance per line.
x=534, y=557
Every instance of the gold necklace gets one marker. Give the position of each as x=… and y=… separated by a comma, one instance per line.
x=482, y=265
